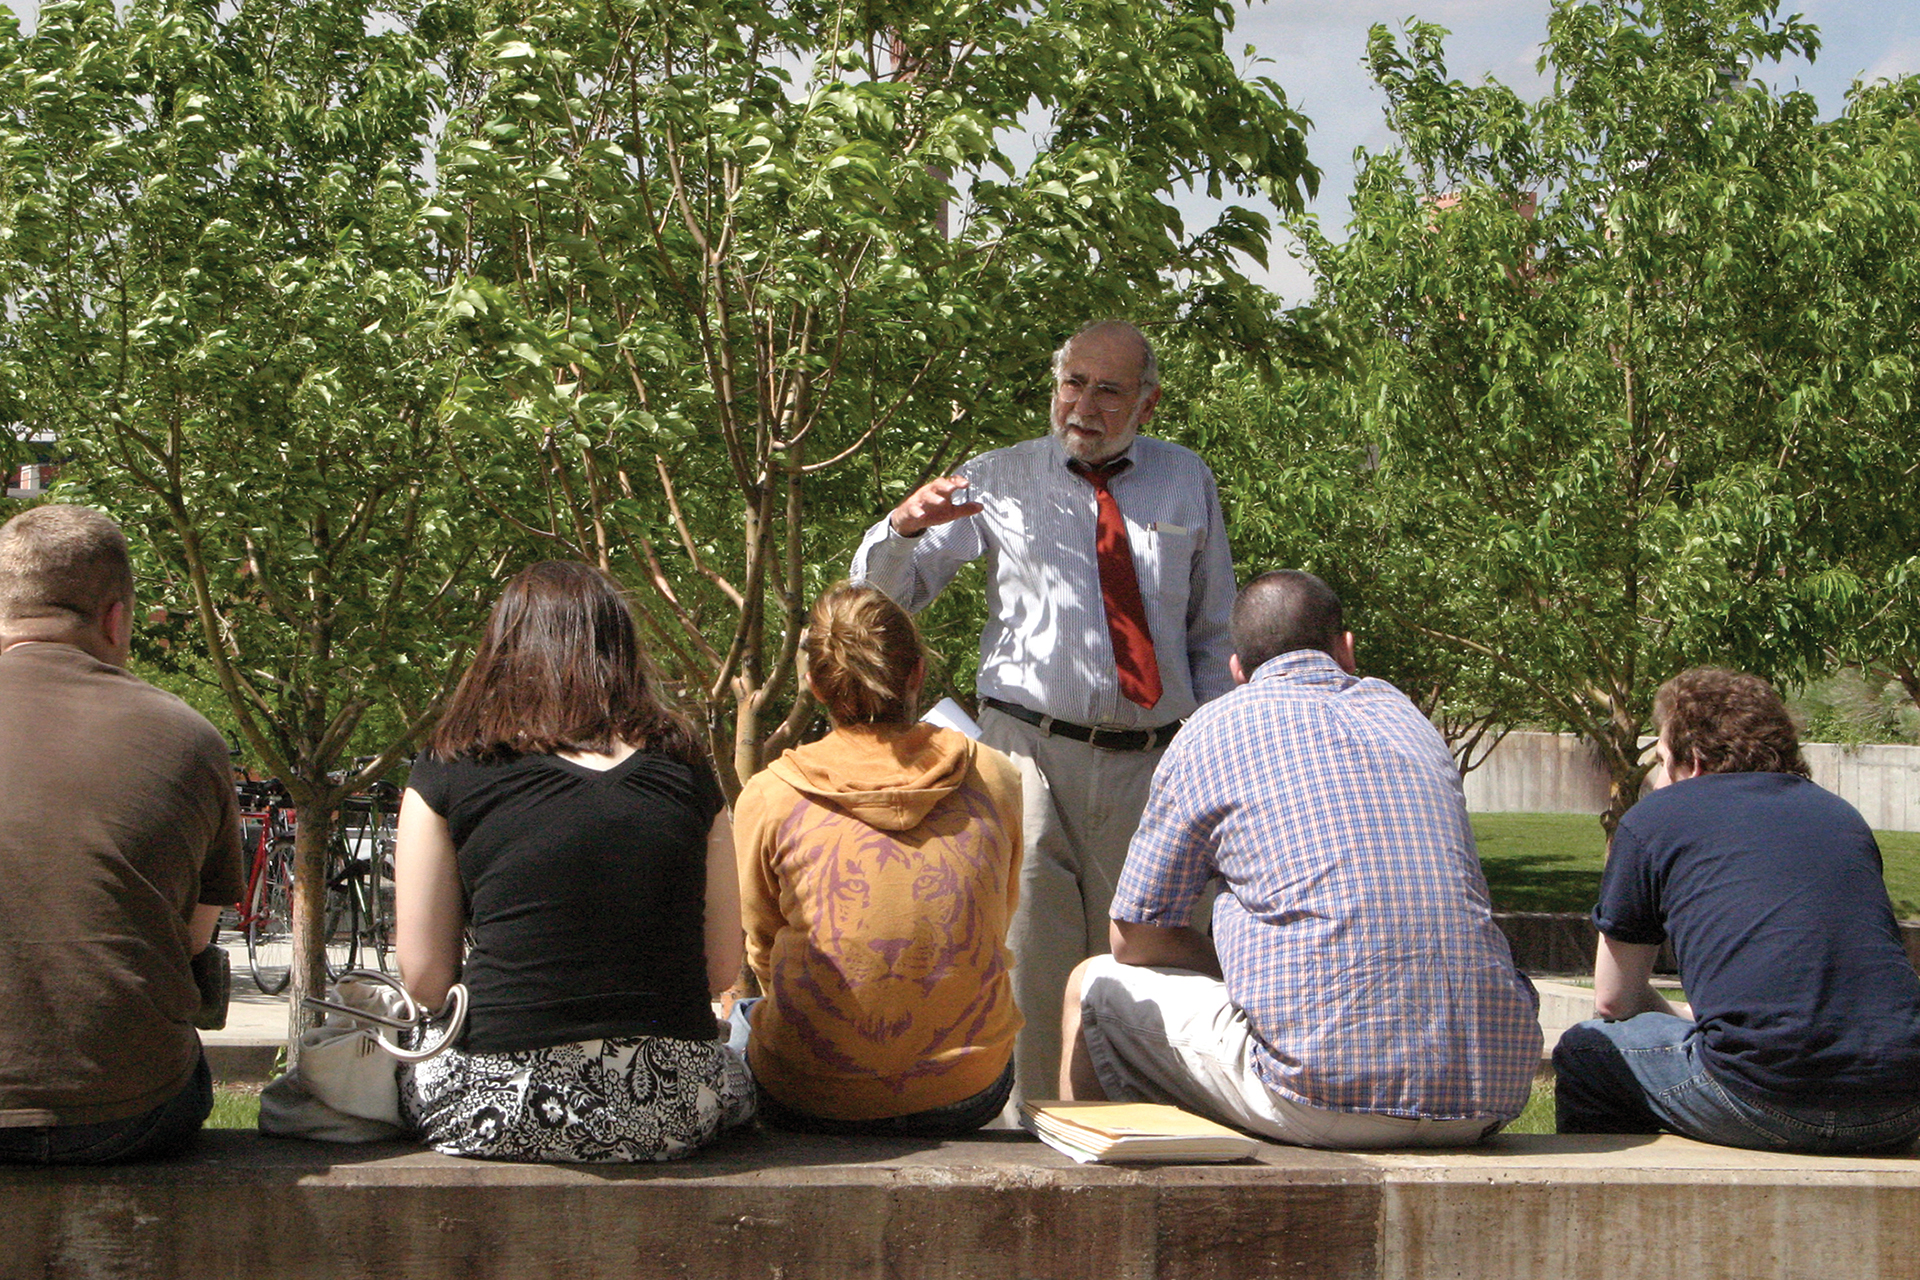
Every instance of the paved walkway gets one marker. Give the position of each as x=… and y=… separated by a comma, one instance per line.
x=256, y=1030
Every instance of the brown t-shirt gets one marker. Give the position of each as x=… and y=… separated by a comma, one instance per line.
x=117, y=816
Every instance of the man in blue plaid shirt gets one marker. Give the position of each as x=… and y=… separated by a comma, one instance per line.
x=1356, y=991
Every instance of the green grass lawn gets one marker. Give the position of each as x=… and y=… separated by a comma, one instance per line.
x=1541, y=861
x=1551, y=862
x=1538, y=1117
x=235, y=1106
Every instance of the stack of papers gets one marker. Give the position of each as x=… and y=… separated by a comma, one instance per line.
x=1113, y=1132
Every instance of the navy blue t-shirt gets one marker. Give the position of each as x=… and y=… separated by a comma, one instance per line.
x=1772, y=892
x=586, y=895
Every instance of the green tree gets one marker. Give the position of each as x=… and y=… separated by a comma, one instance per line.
x=1301, y=488
x=744, y=272
x=1850, y=260
x=223, y=298
x=1561, y=322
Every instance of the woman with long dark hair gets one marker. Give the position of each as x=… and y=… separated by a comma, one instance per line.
x=567, y=821
x=878, y=869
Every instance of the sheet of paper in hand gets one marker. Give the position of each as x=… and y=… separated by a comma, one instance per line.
x=949, y=714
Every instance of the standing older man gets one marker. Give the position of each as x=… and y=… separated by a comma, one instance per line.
x=120, y=840
x=1109, y=583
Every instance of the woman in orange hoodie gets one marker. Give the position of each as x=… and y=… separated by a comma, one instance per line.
x=878, y=870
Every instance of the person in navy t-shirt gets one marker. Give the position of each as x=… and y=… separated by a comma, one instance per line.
x=1804, y=1027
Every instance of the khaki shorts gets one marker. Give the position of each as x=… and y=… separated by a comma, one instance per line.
x=1171, y=1035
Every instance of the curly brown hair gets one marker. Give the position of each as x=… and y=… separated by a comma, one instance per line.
x=1727, y=722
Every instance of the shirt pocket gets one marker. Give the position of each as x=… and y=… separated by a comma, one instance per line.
x=1163, y=555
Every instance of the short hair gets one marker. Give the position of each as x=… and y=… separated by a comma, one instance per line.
x=63, y=562
x=1281, y=611
x=560, y=668
x=1149, y=362
x=1727, y=722
x=861, y=652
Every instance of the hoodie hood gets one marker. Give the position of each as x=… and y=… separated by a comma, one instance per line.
x=887, y=776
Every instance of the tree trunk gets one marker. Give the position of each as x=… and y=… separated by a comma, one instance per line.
x=313, y=831
x=1902, y=669
x=1620, y=751
x=746, y=738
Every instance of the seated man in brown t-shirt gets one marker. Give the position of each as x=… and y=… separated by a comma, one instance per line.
x=120, y=840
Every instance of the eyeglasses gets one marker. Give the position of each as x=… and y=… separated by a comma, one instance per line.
x=1103, y=397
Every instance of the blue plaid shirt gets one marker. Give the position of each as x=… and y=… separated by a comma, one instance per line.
x=1356, y=932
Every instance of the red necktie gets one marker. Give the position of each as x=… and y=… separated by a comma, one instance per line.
x=1120, y=591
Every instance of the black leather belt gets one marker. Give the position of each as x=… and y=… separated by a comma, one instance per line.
x=1105, y=739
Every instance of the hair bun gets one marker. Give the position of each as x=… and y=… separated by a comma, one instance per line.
x=862, y=654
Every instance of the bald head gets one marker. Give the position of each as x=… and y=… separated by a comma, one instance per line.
x=1282, y=611
x=63, y=569
x=1118, y=331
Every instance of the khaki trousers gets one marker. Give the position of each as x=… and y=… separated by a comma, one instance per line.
x=1168, y=1035
x=1080, y=808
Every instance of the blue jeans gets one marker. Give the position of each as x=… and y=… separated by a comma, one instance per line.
x=156, y=1132
x=954, y=1120
x=1644, y=1074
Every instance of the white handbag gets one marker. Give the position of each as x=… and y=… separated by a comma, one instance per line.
x=346, y=1088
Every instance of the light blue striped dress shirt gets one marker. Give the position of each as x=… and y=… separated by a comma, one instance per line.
x=1045, y=645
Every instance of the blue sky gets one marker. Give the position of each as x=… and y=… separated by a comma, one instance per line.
x=1313, y=48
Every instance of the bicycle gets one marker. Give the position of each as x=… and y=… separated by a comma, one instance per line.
x=359, y=912
x=264, y=914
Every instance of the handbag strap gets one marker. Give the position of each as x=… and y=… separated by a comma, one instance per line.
x=455, y=1013
x=416, y=1018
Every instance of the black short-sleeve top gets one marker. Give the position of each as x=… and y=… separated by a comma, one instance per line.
x=585, y=893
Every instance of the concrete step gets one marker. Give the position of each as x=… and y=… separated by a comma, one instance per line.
x=1562, y=1004
x=247, y=1048
x=1562, y=942
x=997, y=1205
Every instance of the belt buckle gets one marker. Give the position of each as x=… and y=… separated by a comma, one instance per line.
x=1095, y=733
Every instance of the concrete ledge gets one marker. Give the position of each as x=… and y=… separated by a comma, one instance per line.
x=236, y=1062
x=1562, y=942
x=1628, y=1208
x=998, y=1206
x=1561, y=1006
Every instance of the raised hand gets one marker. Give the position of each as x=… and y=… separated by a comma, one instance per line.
x=931, y=504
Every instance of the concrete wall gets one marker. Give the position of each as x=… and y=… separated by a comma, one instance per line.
x=1538, y=773
x=1557, y=773
x=1883, y=782
x=768, y=1206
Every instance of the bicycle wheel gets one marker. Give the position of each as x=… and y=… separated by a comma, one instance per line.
x=270, y=921
x=376, y=946
x=340, y=930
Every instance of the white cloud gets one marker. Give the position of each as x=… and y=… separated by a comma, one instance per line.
x=1901, y=60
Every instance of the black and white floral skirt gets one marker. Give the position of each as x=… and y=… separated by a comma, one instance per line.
x=591, y=1102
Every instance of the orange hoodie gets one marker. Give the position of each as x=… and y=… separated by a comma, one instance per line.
x=878, y=870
